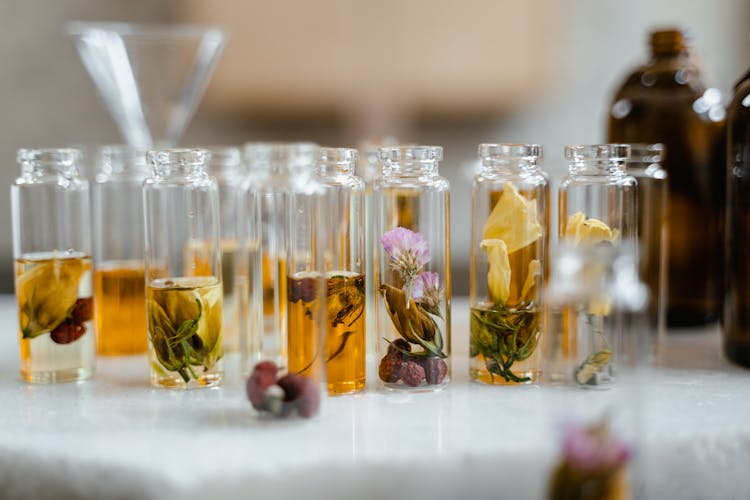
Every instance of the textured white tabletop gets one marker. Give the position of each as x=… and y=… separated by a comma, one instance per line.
x=115, y=437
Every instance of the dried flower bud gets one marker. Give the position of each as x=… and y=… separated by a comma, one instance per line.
x=305, y=289
x=397, y=346
x=435, y=370
x=412, y=373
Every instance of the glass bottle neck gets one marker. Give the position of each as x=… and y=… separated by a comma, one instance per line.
x=494, y=166
x=176, y=171
x=410, y=169
x=604, y=168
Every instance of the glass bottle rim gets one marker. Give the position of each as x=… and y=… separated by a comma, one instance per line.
x=178, y=156
x=510, y=151
x=223, y=155
x=642, y=152
x=63, y=157
x=115, y=158
x=262, y=153
x=341, y=157
x=597, y=152
x=398, y=154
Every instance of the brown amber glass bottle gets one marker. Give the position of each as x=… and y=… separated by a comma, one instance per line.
x=665, y=101
x=737, y=303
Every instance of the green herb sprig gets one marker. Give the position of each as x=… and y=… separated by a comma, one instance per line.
x=505, y=336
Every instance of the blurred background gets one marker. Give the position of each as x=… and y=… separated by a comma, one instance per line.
x=341, y=71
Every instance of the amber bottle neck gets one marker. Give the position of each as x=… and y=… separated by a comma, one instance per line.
x=668, y=44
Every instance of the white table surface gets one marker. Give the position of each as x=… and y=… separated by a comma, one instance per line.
x=115, y=437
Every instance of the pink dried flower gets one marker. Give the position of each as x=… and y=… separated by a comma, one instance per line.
x=406, y=250
x=593, y=447
x=426, y=289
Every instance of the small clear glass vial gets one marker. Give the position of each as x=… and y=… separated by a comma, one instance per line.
x=53, y=267
x=508, y=259
x=645, y=164
x=119, y=273
x=183, y=270
x=274, y=171
x=345, y=322
x=597, y=207
x=412, y=269
x=224, y=163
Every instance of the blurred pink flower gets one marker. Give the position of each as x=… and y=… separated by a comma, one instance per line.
x=593, y=447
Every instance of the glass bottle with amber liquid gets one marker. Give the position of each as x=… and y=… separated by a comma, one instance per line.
x=119, y=277
x=665, y=101
x=736, y=319
x=412, y=269
x=274, y=170
x=52, y=251
x=510, y=207
x=344, y=276
x=183, y=270
x=309, y=221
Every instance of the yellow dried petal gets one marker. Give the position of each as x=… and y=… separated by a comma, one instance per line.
x=590, y=231
x=46, y=294
x=498, y=275
x=600, y=306
x=209, y=328
x=513, y=220
x=573, y=225
x=535, y=270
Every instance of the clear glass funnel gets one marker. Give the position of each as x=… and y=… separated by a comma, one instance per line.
x=150, y=76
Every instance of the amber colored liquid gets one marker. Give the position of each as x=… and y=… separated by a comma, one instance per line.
x=120, y=302
x=43, y=360
x=344, y=342
x=304, y=344
x=736, y=320
x=663, y=111
x=207, y=290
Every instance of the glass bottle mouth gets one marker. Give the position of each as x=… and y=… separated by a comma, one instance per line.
x=179, y=161
x=182, y=157
x=274, y=155
x=121, y=158
x=411, y=154
x=339, y=160
x=597, y=152
x=223, y=160
x=49, y=156
x=509, y=151
x=647, y=153
x=61, y=160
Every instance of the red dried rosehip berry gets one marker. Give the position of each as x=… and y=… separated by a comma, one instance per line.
x=435, y=370
x=263, y=377
x=83, y=310
x=390, y=366
x=67, y=332
x=301, y=393
x=412, y=373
